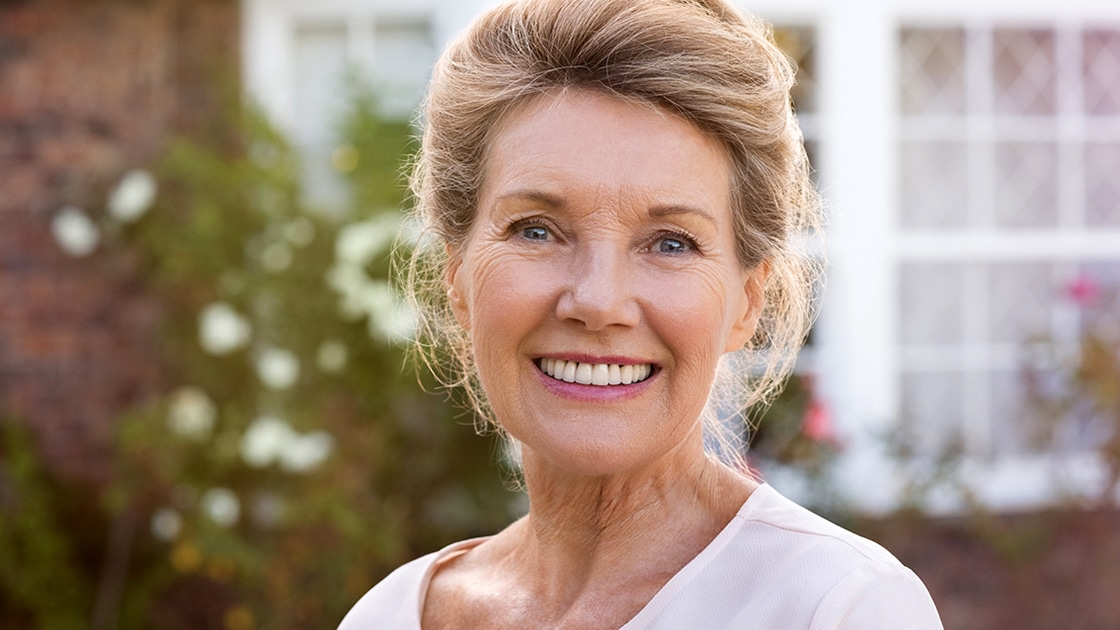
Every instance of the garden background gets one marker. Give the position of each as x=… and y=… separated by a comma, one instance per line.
x=208, y=419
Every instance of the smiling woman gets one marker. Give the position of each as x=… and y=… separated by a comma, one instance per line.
x=613, y=191
x=595, y=247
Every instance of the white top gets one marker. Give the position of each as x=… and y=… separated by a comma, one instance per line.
x=775, y=565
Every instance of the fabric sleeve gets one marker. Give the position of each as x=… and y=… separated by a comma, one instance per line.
x=392, y=603
x=873, y=597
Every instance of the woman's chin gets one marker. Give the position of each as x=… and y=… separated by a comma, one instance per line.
x=600, y=453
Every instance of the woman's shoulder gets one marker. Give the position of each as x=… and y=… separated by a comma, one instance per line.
x=779, y=565
x=857, y=583
x=397, y=600
x=771, y=522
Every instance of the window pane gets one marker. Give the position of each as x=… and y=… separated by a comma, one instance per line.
x=1026, y=188
x=1021, y=296
x=932, y=71
x=933, y=408
x=931, y=303
x=1102, y=72
x=934, y=185
x=1102, y=184
x=1024, y=71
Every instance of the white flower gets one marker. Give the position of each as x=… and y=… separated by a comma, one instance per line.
x=332, y=356
x=358, y=243
x=278, y=368
x=276, y=257
x=348, y=281
x=222, y=330
x=306, y=452
x=222, y=506
x=166, y=524
x=192, y=413
x=75, y=232
x=270, y=440
x=389, y=317
x=265, y=440
x=133, y=196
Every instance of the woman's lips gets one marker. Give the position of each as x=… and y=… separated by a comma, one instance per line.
x=598, y=374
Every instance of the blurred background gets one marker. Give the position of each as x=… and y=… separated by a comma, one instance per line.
x=207, y=415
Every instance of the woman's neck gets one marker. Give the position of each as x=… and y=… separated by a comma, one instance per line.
x=593, y=551
x=585, y=532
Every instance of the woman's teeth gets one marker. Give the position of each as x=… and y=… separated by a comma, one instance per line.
x=595, y=373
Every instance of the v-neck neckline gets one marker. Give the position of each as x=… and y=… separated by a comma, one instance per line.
x=658, y=602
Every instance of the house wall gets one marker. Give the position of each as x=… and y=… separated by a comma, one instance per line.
x=88, y=90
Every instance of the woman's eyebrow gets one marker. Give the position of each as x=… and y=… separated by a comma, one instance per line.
x=658, y=211
x=665, y=210
x=538, y=196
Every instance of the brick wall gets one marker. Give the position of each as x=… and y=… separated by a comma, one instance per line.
x=88, y=89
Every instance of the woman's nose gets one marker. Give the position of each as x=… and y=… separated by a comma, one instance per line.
x=600, y=291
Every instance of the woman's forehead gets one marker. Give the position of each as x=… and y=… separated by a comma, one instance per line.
x=580, y=141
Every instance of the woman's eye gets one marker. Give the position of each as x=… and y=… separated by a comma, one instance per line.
x=673, y=245
x=535, y=233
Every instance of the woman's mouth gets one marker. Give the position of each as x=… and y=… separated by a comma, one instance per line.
x=600, y=374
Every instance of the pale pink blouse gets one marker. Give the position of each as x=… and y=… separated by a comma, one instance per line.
x=775, y=565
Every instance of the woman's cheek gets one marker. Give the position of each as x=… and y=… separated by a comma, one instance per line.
x=694, y=300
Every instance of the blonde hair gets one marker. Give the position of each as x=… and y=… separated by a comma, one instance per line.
x=697, y=59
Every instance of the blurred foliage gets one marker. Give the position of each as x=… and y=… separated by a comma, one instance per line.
x=928, y=474
x=38, y=555
x=795, y=429
x=795, y=437
x=294, y=460
x=1074, y=386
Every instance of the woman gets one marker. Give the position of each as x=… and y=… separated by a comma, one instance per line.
x=616, y=187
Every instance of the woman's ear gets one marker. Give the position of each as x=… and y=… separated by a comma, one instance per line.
x=750, y=306
x=455, y=288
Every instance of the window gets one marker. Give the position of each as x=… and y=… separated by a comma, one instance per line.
x=1009, y=150
x=304, y=60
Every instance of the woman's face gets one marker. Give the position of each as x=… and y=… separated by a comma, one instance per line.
x=599, y=283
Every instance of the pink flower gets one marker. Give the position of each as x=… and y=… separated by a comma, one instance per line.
x=817, y=424
x=1083, y=290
